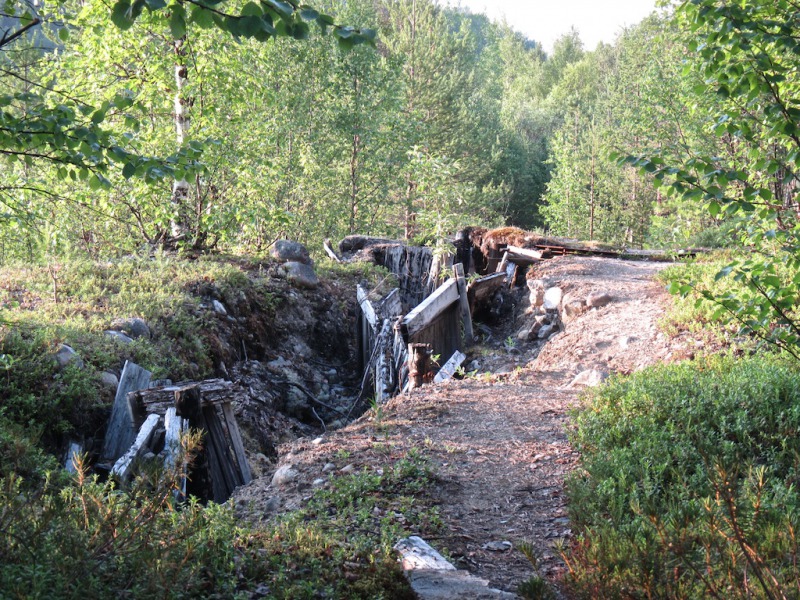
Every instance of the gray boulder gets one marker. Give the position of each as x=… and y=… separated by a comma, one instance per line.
x=134, y=328
x=67, y=356
x=118, y=335
x=288, y=251
x=301, y=275
x=552, y=298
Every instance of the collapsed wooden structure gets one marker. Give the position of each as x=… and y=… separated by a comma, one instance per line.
x=152, y=419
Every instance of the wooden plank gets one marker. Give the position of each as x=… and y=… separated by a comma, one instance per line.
x=384, y=373
x=501, y=268
x=121, y=430
x=449, y=368
x=366, y=307
x=122, y=468
x=158, y=400
x=481, y=290
x=419, y=318
x=463, y=302
x=236, y=442
x=220, y=453
x=391, y=305
x=73, y=457
x=175, y=428
x=523, y=256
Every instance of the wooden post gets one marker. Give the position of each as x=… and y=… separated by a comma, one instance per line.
x=463, y=301
x=419, y=357
x=121, y=431
x=236, y=442
x=122, y=468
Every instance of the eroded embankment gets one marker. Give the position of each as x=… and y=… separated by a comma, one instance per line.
x=497, y=438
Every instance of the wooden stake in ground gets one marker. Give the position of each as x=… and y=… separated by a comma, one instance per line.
x=419, y=360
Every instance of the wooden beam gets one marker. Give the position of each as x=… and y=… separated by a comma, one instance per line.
x=481, y=290
x=523, y=256
x=463, y=302
x=121, y=430
x=434, y=305
x=366, y=307
x=236, y=442
x=123, y=467
x=449, y=368
x=158, y=400
x=175, y=428
x=391, y=305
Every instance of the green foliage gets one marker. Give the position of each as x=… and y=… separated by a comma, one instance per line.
x=686, y=489
x=91, y=540
x=745, y=59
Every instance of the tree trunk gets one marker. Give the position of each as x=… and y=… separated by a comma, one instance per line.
x=180, y=187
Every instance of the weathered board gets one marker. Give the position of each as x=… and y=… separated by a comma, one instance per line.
x=123, y=467
x=463, y=303
x=121, y=431
x=449, y=368
x=481, y=291
x=433, y=306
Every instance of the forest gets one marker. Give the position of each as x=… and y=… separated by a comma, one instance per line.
x=152, y=152
x=177, y=130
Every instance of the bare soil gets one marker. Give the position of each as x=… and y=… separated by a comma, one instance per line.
x=498, y=438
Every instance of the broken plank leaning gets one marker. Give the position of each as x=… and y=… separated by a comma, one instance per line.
x=121, y=430
x=123, y=466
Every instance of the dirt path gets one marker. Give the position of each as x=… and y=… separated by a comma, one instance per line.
x=497, y=438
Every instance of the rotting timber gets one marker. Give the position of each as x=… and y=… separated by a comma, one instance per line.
x=430, y=314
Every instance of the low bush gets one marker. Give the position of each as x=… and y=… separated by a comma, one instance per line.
x=85, y=539
x=688, y=486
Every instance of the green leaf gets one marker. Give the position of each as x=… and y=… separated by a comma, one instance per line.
x=177, y=24
x=129, y=170
x=121, y=14
x=63, y=34
x=309, y=14
x=95, y=183
x=154, y=5
x=202, y=17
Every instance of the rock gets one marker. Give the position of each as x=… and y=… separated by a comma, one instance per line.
x=318, y=482
x=109, y=380
x=503, y=546
x=288, y=251
x=524, y=334
x=285, y=474
x=134, y=328
x=317, y=441
x=624, y=341
x=67, y=356
x=328, y=467
x=552, y=298
x=573, y=308
x=589, y=378
x=219, y=307
x=272, y=504
x=118, y=335
x=347, y=469
x=536, y=286
x=301, y=275
x=547, y=330
x=598, y=299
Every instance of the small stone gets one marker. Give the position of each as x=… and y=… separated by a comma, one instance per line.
x=318, y=482
x=285, y=474
x=317, y=441
x=598, y=299
x=109, y=380
x=66, y=356
x=134, y=327
x=503, y=546
x=148, y=456
x=272, y=504
x=552, y=298
x=347, y=469
x=328, y=467
x=574, y=308
x=590, y=378
x=624, y=342
x=301, y=275
x=219, y=307
x=119, y=336
x=261, y=457
x=547, y=330
x=524, y=334
x=289, y=251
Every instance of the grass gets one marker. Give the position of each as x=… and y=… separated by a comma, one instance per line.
x=86, y=539
x=688, y=486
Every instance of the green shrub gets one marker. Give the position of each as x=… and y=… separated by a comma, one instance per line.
x=688, y=485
